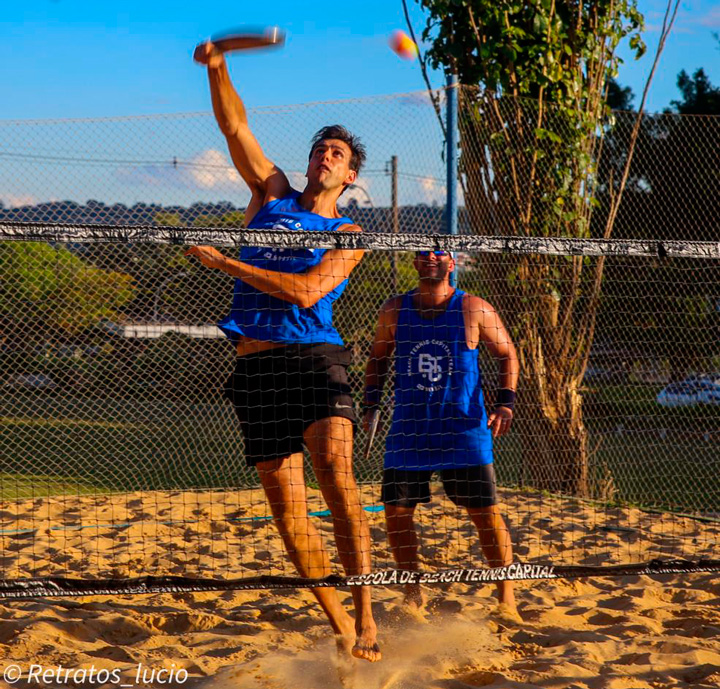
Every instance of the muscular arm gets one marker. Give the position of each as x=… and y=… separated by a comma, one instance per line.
x=302, y=289
x=266, y=180
x=383, y=346
x=483, y=324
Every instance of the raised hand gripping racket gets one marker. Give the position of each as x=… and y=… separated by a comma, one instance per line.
x=248, y=38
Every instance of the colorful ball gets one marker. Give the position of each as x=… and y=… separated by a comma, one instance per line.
x=403, y=45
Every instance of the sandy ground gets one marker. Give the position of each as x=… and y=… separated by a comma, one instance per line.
x=602, y=633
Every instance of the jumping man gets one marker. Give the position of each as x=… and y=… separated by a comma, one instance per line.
x=290, y=385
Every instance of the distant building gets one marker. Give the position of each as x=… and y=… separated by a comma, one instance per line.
x=152, y=331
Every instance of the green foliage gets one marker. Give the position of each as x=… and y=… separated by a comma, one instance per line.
x=232, y=219
x=545, y=67
x=50, y=288
x=531, y=132
x=673, y=193
x=169, y=219
x=523, y=48
x=370, y=285
x=619, y=97
x=699, y=96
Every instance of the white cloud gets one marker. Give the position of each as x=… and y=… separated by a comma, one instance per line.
x=711, y=18
x=147, y=176
x=211, y=169
x=688, y=20
x=677, y=29
x=421, y=98
x=13, y=201
x=297, y=179
x=432, y=190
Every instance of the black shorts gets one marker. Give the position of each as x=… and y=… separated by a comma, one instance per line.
x=466, y=486
x=279, y=392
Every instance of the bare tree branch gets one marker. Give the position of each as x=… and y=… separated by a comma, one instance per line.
x=423, y=68
x=668, y=21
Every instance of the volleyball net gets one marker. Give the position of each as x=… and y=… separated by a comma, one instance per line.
x=122, y=463
x=122, y=459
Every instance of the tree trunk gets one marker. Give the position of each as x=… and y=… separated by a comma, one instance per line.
x=557, y=458
x=542, y=314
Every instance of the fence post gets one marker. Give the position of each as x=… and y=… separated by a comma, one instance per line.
x=395, y=216
x=451, y=157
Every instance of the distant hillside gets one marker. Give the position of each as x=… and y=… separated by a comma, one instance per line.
x=116, y=214
x=419, y=219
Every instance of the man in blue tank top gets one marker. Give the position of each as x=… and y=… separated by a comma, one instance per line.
x=439, y=418
x=290, y=387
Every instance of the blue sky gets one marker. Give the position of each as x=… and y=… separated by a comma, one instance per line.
x=79, y=59
x=76, y=58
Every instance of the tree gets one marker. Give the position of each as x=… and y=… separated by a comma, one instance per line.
x=699, y=96
x=619, y=97
x=673, y=193
x=48, y=294
x=168, y=219
x=232, y=219
x=530, y=141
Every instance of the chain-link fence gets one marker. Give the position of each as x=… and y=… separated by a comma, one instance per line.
x=175, y=169
x=112, y=365
x=532, y=170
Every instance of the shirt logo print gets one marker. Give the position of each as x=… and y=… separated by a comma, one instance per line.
x=430, y=363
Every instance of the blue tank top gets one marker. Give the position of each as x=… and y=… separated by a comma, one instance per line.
x=259, y=315
x=439, y=419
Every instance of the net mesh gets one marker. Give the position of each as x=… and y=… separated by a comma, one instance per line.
x=120, y=455
x=122, y=458
x=174, y=169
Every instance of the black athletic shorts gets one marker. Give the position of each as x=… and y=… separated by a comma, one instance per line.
x=466, y=486
x=279, y=392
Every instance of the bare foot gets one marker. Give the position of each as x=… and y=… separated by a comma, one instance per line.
x=415, y=598
x=506, y=614
x=366, y=646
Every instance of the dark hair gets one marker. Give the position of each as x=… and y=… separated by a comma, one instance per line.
x=337, y=131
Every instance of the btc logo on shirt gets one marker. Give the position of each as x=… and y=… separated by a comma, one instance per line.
x=430, y=364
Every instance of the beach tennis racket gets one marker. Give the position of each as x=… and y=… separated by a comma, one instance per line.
x=248, y=38
x=372, y=432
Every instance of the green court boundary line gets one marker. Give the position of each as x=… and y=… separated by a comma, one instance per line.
x=123, y=525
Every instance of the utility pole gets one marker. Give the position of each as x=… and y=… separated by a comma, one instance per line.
x=394, y=195
x=395, y=217
x=451, y=209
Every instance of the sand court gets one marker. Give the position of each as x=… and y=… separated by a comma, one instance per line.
x=631, y=632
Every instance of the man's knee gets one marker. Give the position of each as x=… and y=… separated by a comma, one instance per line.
x=290, y=516
x=490, y=513
x=334, y=471
x=399, y=518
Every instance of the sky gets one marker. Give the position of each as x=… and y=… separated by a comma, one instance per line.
x=84, y=58
x=66, y=59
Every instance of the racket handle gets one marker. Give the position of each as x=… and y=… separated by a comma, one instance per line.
x=372, y=431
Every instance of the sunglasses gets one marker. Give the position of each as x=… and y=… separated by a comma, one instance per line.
x=425, y=254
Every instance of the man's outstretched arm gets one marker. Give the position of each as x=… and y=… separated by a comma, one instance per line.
x=263, y=177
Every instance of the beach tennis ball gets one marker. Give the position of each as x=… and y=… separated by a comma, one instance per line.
x=403, y=45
